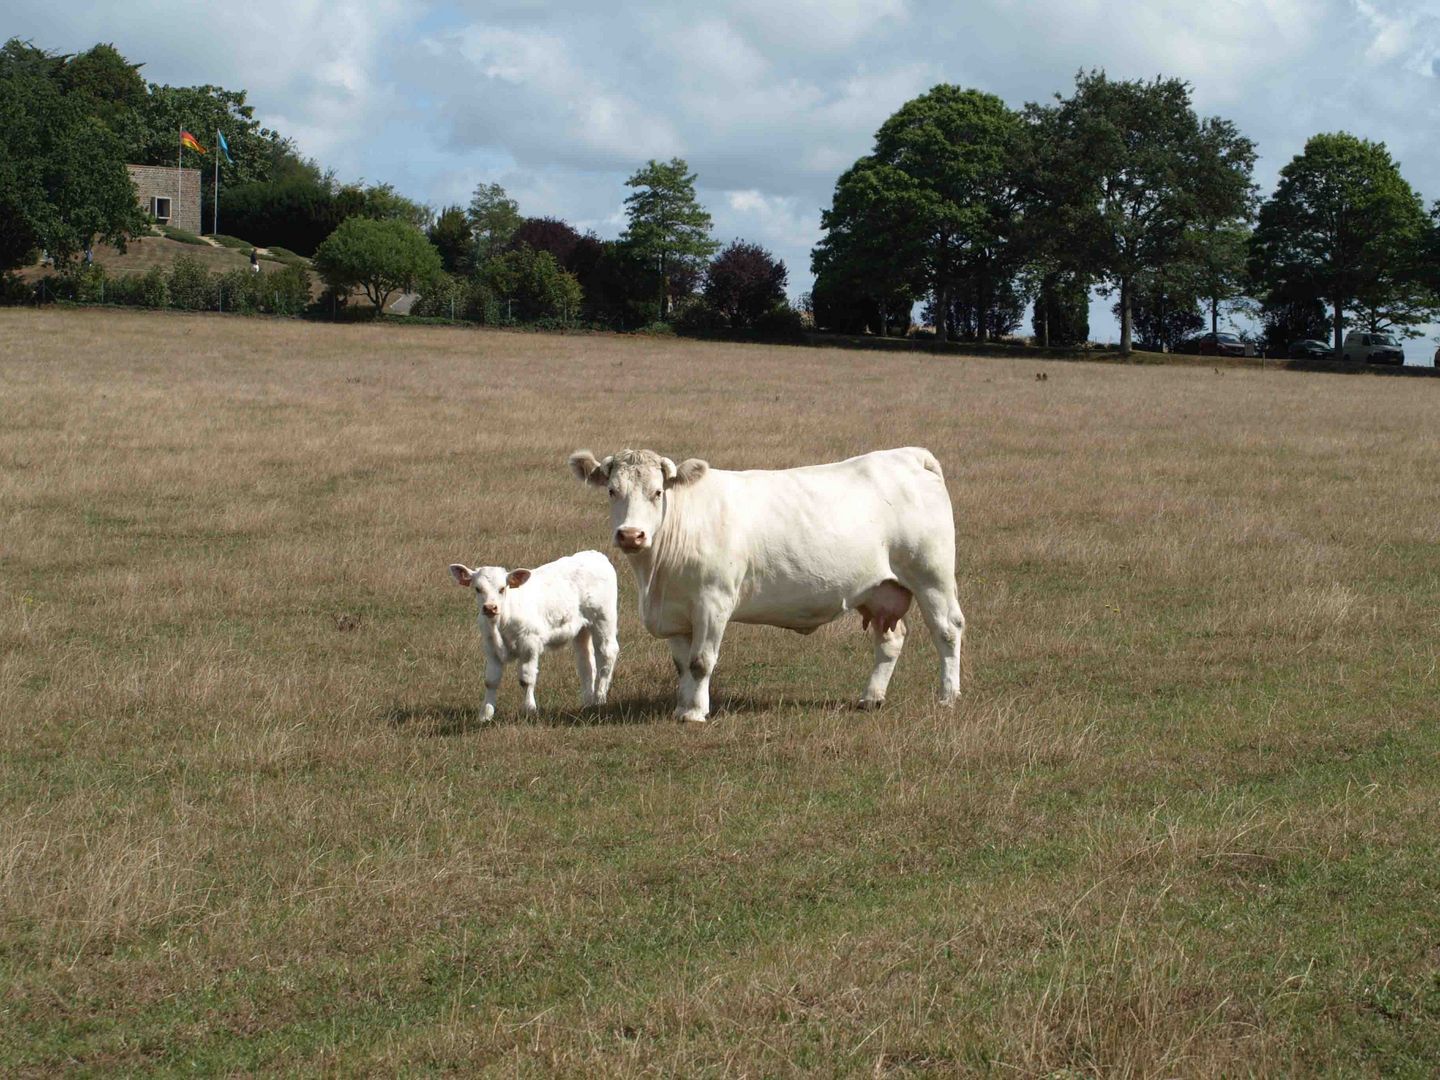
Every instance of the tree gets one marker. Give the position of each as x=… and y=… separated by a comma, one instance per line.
x=382, y=257
x=547, y=234
x=1345, y=227
x=743, y=282
x=870, y=265
x=1062, y=310
x=934, y=207
x=63, y=183
x=1165, y=307
x=533, y=285
x=1291, y=317
x=109, y=85
x=494, y=217
x=617, y=284
x=668, y=227
x=453, y=239
x=1125, y=170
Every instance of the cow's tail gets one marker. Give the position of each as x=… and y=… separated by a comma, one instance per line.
x=931, y=463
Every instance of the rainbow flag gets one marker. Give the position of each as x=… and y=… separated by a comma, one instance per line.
x=190, y=142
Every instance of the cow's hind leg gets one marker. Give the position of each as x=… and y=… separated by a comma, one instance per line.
x=946, y=622
x=888, y=644
x=585, y=665
x=882, y=613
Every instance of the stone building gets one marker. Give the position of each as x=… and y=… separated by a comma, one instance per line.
x=168, y=200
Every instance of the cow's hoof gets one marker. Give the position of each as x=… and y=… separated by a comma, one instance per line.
x=487, y=714
x=870, y=704
x=690, y=716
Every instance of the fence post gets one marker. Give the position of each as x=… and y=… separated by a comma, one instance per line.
x=220, y=289
x=452, y=309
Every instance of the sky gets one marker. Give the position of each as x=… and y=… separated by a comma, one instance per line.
x=768, y=100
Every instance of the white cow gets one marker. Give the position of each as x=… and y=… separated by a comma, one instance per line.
x=794, y=548
x=524, y=612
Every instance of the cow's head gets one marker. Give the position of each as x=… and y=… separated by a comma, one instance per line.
x=637, y=482
x=491, y=584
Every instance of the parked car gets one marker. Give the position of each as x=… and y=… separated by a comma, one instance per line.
x=1221, y=344
x=1310, y=349
x=1372, y=348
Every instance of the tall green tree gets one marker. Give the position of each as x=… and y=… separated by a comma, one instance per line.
x=382, y=257
x=870, y=266
x=1125, y=170
x=1061, y=318
x=668, y=228
x=109, y=85
x=451, y=235
x=494, y=217
x=63, y=183
x=1344, y=226
x=933, y=208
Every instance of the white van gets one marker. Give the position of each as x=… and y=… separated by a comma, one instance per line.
x=1372, y=348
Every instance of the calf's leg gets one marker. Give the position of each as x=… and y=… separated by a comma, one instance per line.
x=493, y=670
x=607, y=648
x=529, y=672
x=585, y=666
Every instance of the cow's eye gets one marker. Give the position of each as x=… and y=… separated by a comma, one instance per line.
x=655, y=496
x=614, y=494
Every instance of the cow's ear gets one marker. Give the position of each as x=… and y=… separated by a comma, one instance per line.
x=586, y=468
x=516, y=578
x=691, y=470
x=462, y=575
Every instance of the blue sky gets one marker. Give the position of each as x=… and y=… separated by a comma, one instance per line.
x=767, y=99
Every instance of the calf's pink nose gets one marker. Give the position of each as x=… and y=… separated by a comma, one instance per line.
x=489, y=609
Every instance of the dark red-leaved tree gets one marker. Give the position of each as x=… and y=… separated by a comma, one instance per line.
x=547, y=234
x=743, y=282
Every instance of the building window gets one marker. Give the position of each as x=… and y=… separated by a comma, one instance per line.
x=160, y=207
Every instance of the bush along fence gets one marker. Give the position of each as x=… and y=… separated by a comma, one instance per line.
x=186, y=286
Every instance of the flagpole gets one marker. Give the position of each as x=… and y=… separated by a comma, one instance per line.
x=175, y=211
x=215, y=218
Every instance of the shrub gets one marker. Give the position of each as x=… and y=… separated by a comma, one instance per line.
x=781, y=323
x=192, y=287
x=87, y=283
x=154, y=289
x=239, y=291
x=14, y=291
x=697, y=317
x=286, y=291
x=127, y=289
x=455, y=297
x=532, y=285
x=184, y=236
x=232, y=242
x=285, y=255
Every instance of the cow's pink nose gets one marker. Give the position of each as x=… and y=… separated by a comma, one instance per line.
x=629, y=538
x=490, y=609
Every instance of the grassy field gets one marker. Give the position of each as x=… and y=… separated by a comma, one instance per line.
x=1184, y=821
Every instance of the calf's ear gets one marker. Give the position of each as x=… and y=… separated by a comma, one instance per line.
x=461, y=574
x=516, y=578
x=586, y=468
x=690, y=470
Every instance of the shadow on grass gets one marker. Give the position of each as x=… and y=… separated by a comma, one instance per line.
x=446, y=720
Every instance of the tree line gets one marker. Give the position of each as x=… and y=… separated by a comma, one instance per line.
x=977, y=209
x=70, y=123
x=966, y=207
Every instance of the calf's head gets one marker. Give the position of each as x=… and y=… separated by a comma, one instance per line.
x=637, y=482
x=491, y=584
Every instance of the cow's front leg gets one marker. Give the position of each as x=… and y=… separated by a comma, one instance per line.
x=493, y=670
x=704, y=651
x=529, y=672
x=685, y=689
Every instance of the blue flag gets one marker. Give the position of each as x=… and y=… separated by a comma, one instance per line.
x=224, y=147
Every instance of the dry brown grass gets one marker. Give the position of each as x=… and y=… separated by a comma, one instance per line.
x=1182, y=823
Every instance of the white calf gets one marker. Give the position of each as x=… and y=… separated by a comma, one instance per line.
x=524, y=612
